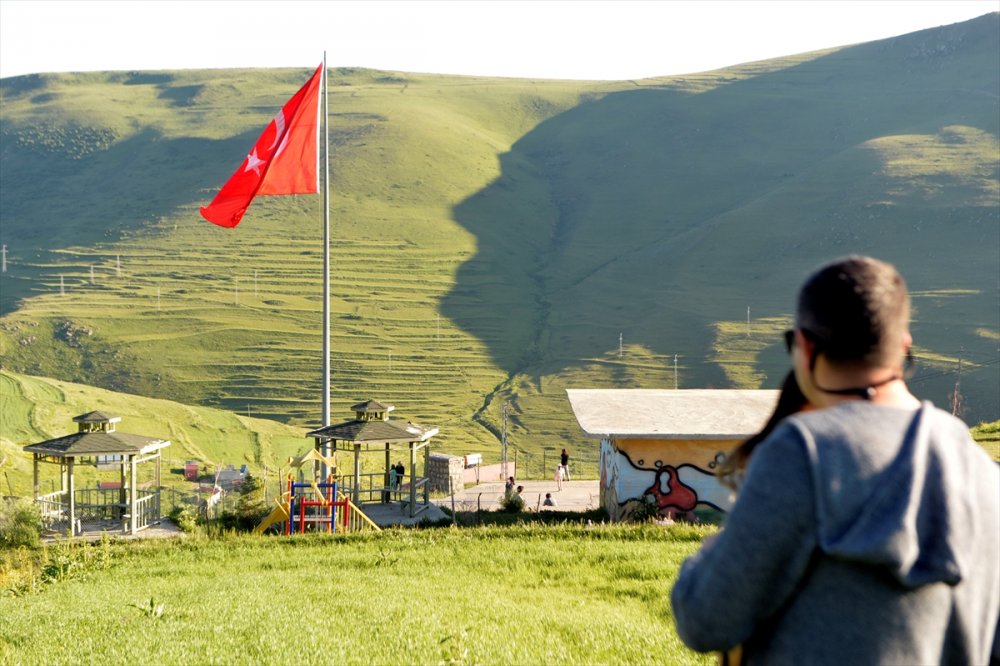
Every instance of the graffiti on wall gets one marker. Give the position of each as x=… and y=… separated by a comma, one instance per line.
x=674, y=477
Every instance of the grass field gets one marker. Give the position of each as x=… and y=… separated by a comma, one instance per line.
x=512, y=595
x=499, y=240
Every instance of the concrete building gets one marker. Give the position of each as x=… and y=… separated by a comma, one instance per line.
x=664, y=446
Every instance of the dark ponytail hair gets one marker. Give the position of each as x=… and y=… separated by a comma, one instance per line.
x=790, y=401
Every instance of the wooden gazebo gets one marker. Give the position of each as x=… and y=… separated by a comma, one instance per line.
x=373, y=430
x=120, y=505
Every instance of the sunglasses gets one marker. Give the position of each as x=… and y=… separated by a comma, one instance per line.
x=790, y=338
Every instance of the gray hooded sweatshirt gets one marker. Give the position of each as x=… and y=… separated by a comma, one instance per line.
x=863, y=534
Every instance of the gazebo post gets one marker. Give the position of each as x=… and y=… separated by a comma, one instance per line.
x=413, y=479
x=71, y=487
x=122, y=489
x=427, y=455
x=388, y=462
x=159, y=458
x=356, y=493
x=34, y=459
x=132, y=495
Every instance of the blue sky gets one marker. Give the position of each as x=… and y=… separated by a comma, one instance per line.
x=570, y=39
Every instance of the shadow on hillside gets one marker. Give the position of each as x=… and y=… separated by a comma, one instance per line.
x=665, y=211
x=88, y=196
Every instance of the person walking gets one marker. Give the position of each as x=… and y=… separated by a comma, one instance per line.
x=867, y=528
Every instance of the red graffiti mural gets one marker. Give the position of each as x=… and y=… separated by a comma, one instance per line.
x=677, y=496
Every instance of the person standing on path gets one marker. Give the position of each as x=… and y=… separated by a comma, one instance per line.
x=564, y=463
x=867, y=529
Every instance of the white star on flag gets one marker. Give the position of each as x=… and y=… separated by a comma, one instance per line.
x=253, y=163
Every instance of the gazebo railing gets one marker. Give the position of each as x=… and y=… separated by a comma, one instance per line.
x=54, y=506
x=373, y=489
x=147, y=508
x=100, y=504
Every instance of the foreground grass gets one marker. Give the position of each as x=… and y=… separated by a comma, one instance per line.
x=513, y=595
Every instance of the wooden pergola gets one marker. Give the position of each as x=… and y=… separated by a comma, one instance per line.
x=373, y=430
x=97, y=444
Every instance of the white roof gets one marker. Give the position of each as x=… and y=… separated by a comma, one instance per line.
x=671, y=414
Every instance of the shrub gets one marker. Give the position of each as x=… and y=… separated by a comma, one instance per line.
x=512, y=503
x=185, y=517
x=20, y=523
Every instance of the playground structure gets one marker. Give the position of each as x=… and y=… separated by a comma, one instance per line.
x=314, y=506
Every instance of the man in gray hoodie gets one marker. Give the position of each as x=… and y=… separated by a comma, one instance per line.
x=867, y=530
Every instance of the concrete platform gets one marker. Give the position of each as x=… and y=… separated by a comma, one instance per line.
x=394, y=513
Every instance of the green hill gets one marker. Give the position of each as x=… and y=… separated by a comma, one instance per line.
x=500, y=239
x=37, y=408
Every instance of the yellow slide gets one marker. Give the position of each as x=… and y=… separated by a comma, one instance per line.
x=278, y=515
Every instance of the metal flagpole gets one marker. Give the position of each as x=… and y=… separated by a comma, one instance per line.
x=326, y=263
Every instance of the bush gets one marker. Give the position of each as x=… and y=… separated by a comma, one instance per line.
x=20, y=523
x=185, y=517
x=512, y=503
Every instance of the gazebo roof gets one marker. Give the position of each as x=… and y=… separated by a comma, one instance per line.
x=391, y=431
x=97, y=443
x=671, y=414
x=372, y=406
x=97, y=417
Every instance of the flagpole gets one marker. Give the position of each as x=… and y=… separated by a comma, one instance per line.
x=326, y=263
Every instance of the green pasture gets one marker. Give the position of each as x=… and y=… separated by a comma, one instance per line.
x=36, y=408
x=498, y=595
x=500, y=240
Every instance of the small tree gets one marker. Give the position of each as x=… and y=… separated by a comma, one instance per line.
x=250, y=507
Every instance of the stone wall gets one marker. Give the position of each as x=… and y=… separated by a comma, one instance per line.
x=441, y=468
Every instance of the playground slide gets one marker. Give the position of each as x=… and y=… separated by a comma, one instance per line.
x=278, y=515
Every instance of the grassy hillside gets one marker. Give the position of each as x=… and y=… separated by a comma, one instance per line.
x=36, y=409
x=499, y=239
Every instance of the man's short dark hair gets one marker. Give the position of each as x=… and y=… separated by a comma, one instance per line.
x=855, y=309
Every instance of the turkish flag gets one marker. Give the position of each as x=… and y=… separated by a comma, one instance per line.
x=283, y=161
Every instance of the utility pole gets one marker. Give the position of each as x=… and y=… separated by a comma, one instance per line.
x=956, y=396
x=503, y=444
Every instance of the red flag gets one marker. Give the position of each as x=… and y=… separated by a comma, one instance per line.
x=283, y=161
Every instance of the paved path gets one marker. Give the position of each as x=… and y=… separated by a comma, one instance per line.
x=574, y=496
